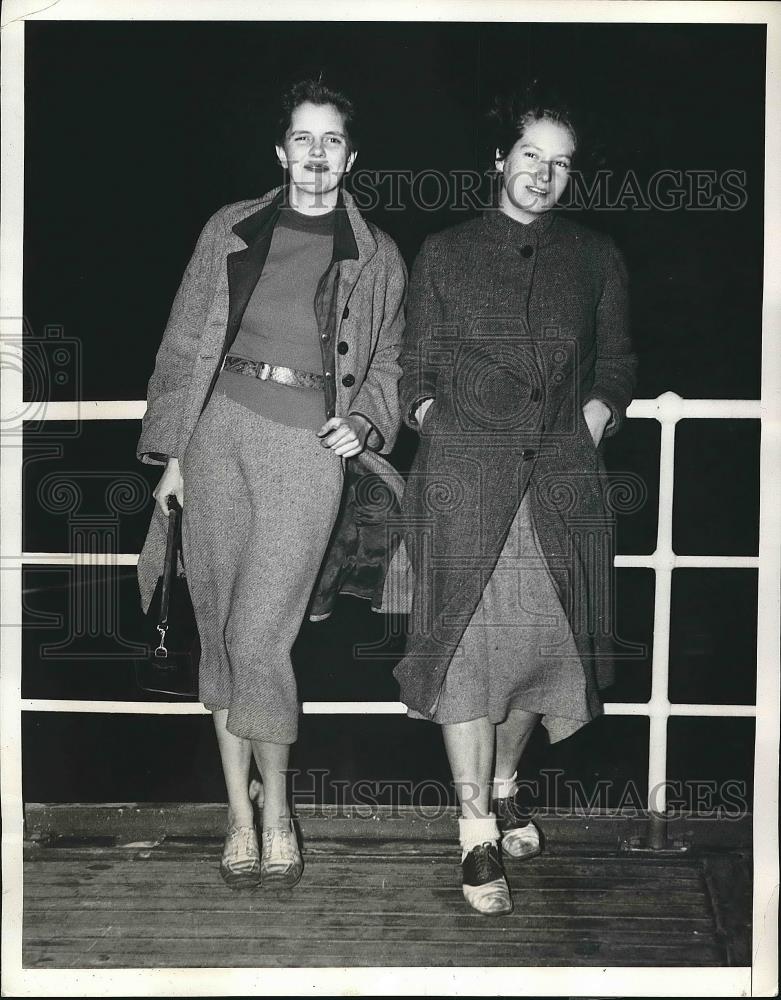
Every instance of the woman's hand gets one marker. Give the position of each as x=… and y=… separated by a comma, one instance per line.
x=597, y=416
x=346, y=436
x=422, y=410
x=170, y=482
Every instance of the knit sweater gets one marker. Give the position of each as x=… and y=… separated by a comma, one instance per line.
x=279, y=324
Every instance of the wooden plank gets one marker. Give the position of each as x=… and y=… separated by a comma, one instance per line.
x=65, y=887
x=458, y=917
x=536, y=871
x=380, y=933
x=205, y=875
x=152, y=820
x=167, y=896
x=241, y=923
x=728, y=877
x=430, y=904
x=255, y=953
x=638, y=868
x=468, y=950
x=533, y=926
x=359, y=872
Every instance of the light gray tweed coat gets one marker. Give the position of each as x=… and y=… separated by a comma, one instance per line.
x=361, y=303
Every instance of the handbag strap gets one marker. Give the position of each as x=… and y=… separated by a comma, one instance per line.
x=169, y=569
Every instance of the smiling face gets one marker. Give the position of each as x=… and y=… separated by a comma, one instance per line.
x=316, y=154
x=536, y=170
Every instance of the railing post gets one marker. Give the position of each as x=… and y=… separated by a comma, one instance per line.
x=657, y=831
x=668, y=413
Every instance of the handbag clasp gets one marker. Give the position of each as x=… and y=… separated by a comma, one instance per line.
x=161, y=652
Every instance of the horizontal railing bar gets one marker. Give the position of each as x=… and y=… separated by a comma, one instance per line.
x=668, y=406
x=353, y=708
x=84, y=409
x=685, y=562
x=76, y=558
x=661, y=710
x=714, y=711
x=113, y=707
x=715, y=562
x=356, y=708
x=621, y=562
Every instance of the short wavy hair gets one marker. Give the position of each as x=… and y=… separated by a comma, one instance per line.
x=513, y=111
x=316, y=91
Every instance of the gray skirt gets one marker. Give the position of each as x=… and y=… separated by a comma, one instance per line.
x=518, y=651
x=260, y=502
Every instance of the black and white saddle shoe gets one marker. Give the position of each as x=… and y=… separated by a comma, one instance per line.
x=521, y=837
x=484, y=883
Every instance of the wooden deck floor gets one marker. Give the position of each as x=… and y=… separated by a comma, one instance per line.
x=92, y=905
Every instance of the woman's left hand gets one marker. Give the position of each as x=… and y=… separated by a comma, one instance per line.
x=597, y=416
x=345, y=435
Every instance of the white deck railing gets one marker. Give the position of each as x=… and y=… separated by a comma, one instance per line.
x=668, y=409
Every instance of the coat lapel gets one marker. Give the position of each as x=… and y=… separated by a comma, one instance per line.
x=353, y=235
x=244, y=268
x=354, y=246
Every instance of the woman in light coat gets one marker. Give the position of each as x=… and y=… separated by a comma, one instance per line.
x=270, y=415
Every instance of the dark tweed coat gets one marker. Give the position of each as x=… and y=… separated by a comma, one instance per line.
x=360, y=306
x=511, y=328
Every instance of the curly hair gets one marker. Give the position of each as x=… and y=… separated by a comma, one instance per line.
x=316, y=92
x=512, y=112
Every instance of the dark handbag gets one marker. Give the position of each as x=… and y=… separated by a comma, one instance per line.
x=172, y=667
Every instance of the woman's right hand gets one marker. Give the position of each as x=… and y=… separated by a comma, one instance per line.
x=170, y=482
x=422, y=410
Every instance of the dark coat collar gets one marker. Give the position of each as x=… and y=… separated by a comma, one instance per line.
x=508, y=230
x=261, y=223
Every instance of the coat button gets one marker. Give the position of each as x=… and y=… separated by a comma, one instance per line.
x=528, y=454
x=348, y=380
x=346, y=312
x=342, y=347
x=527, y=251
x=324, y=336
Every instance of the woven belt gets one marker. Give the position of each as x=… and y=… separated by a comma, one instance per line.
x=272, y=373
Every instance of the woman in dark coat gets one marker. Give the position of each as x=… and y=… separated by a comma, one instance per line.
x=516, y=365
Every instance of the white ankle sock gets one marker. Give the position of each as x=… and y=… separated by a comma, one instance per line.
x=476, y=830
x=505, y=787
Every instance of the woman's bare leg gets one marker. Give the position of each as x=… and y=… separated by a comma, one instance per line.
x=470, y=751
x=281, y=862
x=272, y=760
x=512, y=736
x=520, y=837
x=236, y=754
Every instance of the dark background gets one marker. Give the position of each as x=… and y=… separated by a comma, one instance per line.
x=137, y=132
